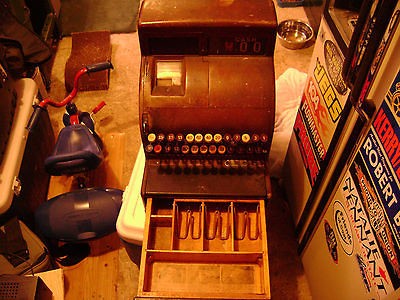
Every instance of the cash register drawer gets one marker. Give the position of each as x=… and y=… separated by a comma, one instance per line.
x=204, y=249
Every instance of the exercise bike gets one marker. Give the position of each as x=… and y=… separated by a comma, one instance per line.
x=84, y=214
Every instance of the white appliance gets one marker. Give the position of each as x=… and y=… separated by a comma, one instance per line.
x=350, y=240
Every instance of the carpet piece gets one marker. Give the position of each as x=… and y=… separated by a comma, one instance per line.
x=97, y=15
x=88, y=48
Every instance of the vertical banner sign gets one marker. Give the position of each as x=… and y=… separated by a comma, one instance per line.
x=321, y=105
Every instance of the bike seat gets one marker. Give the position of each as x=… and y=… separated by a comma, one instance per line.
x=76, y=150
x=79, y=215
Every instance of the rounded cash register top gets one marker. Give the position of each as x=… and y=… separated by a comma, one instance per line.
x=207, y=13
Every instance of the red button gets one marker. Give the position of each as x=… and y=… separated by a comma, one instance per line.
x=157, y=148
x=185, y=149
x=203, y=149
x=264, y=138
x=255, y=137
x=221, y=149
x=212, y=149
x=194, y=149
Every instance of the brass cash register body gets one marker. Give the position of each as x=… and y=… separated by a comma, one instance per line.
x=207, y=104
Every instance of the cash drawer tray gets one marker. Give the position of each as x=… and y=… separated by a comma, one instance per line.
x=214, y=249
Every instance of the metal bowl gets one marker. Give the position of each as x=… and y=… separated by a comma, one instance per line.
x=294, y=34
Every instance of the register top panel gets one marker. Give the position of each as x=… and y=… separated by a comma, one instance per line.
x=209, y=27
x=207, y=13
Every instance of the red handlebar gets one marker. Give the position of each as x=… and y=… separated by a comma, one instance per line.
x=88, y=69
x=71, y=95
x=43, y=104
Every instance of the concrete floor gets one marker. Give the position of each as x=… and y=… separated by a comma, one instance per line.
x=120, y=115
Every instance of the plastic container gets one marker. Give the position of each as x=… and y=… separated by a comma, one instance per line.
x=26, y=90
x=131, y=218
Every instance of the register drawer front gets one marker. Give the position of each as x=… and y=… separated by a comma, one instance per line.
x=204, y=249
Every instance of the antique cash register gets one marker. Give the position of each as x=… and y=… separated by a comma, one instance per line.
x=207, y=104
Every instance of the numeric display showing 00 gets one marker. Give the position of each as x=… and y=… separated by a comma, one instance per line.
x=243, y=45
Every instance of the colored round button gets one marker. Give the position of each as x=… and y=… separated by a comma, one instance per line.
x=208, y=137
x=177, y=149
x=149, y=148
x=217, y=138
x=227, y=137
x=221, y=149
x=151, y=137
x=185, y=149
x=194, y=149
x=203, y=149
x=160, y=137
x=189, y=138
x=264, y=138
x=198, y=137
x=212, y=149
x=255, y=138
x=170, y=137
x=157, y=149
x=245, y=138
x=167, y=148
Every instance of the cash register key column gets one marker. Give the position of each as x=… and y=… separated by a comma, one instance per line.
x=150, y=138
